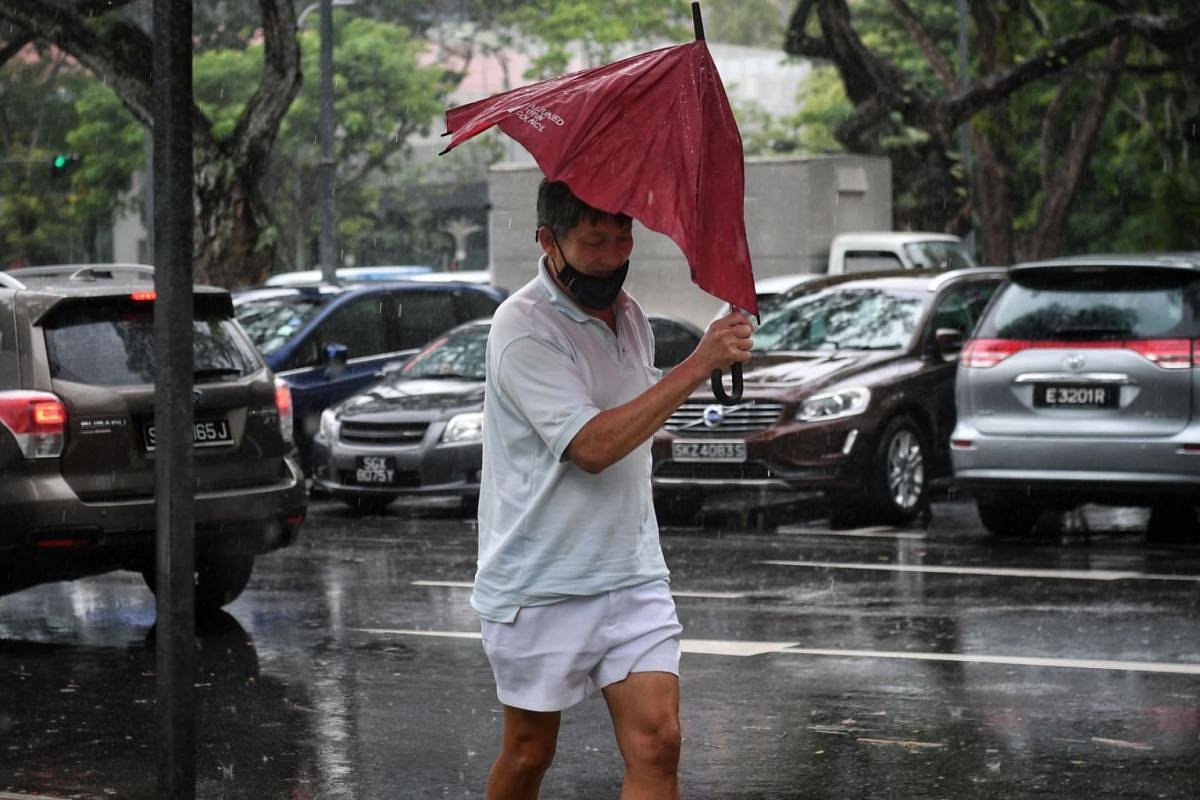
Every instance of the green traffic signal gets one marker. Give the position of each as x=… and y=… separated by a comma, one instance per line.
x=62, y=163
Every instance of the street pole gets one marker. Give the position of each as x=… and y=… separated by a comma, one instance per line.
x=174, y=469
x=328, y=245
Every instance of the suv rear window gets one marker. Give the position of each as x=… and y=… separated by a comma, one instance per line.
x=105, y=346
x=1066, y=305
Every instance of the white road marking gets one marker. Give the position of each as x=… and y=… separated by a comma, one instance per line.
x=702, y=595
x=725, y=647
x=871, y=532
x=12, y=796
x=1007, y=572
x=711, y=647
x=1017, y=661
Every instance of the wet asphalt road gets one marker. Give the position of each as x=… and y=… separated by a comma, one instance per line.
x=925, y=663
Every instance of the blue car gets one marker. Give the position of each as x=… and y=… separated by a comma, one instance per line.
x=330, y=342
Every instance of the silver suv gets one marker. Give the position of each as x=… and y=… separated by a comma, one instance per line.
x=1080, y=385
x=77, y=436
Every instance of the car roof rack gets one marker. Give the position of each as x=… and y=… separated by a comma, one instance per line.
x=85, y=273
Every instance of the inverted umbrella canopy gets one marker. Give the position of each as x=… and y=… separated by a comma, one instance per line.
x=651, y=136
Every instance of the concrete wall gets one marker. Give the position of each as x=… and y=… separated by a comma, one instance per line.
x=794, y=208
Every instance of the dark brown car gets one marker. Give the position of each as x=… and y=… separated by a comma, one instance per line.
x=850, y=391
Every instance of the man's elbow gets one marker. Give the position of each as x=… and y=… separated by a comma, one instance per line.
x=588, y=457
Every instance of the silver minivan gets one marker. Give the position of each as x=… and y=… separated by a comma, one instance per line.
x=1079, y=386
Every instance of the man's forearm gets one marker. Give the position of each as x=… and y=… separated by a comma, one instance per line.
x=613, y=434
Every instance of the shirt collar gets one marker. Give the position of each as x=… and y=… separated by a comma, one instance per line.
x=563, y=302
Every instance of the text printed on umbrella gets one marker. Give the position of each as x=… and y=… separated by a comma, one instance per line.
x=535, y=115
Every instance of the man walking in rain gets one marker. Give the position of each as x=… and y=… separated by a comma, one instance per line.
x=571, y=582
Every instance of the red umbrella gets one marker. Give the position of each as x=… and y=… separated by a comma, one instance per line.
x=651, y=136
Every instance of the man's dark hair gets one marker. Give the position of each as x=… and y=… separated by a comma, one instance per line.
x=560, y=210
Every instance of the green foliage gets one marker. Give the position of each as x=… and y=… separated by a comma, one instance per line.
x=823, y=103
x=753, y=23
x=599, y=27
x=44, y=216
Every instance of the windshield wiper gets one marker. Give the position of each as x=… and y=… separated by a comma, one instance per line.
x=212, y=373
x=1086, y=333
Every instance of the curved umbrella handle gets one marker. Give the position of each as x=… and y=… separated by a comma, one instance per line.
x=718, y=387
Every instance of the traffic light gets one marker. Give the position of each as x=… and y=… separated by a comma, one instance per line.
x=62, y=164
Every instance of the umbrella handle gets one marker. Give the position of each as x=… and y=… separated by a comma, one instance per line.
x=718, y=387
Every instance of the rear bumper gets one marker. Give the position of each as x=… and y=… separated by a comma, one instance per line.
x=1077, y=469
x=45, y=520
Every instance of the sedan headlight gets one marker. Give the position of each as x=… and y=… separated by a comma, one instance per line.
x=325, y=430
x=834, y=405
x=464, y=428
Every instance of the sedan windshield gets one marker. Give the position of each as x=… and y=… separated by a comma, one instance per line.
x=271, y=323
x=459, y=354
x=864, y=318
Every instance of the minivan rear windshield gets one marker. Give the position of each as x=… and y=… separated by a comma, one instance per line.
x=1095, y=305
x=115, y=347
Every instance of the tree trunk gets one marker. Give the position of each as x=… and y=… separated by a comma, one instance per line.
x=1063, y=185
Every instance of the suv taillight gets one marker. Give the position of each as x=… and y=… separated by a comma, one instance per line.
x=283, y=402
x=37, y=420
x=1165, y=353
x=984, y=353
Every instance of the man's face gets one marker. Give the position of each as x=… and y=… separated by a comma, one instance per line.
x=593, y=248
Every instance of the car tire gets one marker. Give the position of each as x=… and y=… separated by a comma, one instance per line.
x=678, y=508
x=370, y=504
x=1008, y=516
x=219, y=581
x=469, y=506
x=1172, y=522
x=898, y=485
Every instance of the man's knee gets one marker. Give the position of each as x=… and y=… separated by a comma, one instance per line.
x=655, y=747
x=530, y=754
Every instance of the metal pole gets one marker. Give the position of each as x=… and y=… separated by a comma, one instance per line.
x=328, y=244
x=174, y=470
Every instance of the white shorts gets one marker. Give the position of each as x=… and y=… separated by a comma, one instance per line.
x=554, y=656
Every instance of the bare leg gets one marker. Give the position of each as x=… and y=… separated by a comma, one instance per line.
x=645, y=714
x=530, y=738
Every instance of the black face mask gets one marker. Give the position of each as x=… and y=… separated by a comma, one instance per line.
x=588, y=290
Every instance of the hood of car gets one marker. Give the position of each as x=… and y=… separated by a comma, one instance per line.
x=414, y=395
x=801, y=373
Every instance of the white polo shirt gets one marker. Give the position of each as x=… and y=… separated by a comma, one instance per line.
x=548, y=530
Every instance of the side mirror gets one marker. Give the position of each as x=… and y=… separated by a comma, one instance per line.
x=948, y=343
x=335, y=360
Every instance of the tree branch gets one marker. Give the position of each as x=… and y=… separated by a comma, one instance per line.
x=937, y=61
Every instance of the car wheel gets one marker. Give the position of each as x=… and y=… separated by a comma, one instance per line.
x=1008, y=517
x=677, y=508
x=897, y=485
x=219, y=581
x=1171, y=522
x=370, y=504
x=469, y=506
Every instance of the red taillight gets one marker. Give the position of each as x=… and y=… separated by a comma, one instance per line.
x=1166, y=353
x=144, y=297
x=984, y=353
x=283, y=403
x=37, y=420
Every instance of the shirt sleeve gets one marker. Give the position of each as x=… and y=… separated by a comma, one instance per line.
x=544, y=385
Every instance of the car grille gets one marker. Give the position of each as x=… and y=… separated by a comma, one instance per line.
x=750, y=470
x=688, y=419
x=383, y=433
